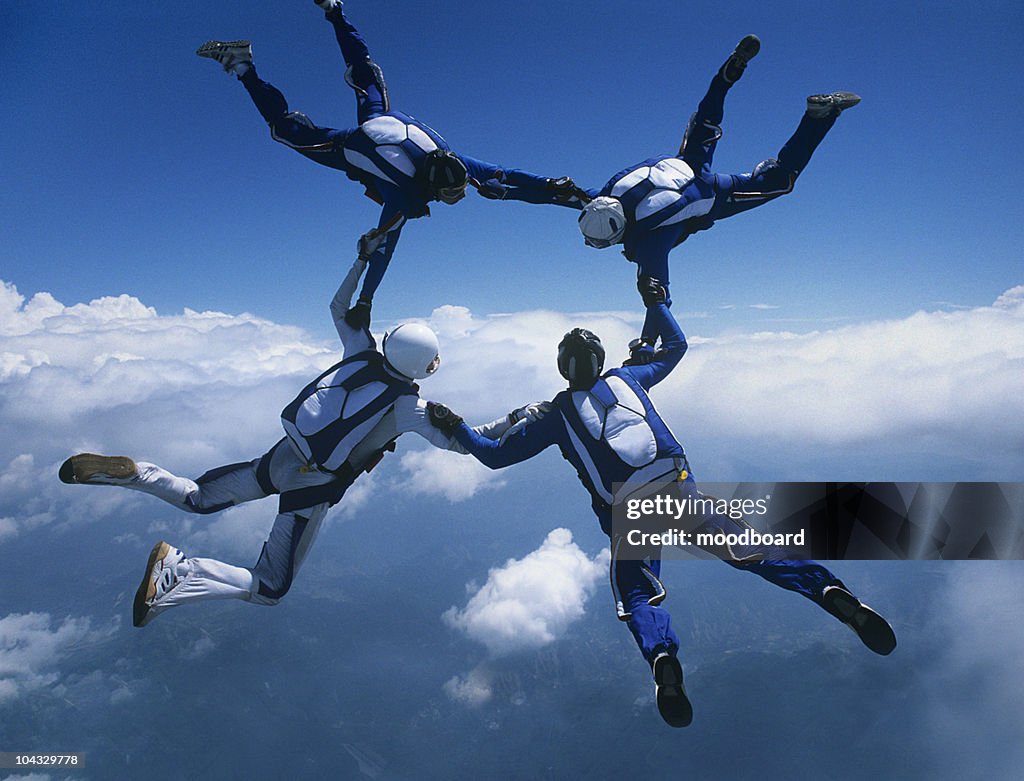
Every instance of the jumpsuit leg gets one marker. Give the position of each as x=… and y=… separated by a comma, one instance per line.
x=805, y=577
x=367, y=79
x=737, y=193
x=292, y=535
x=705, y=127
x=293, y=128
x=638, y=593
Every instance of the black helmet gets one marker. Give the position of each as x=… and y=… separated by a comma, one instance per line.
x=580, y=358
x=445, y=175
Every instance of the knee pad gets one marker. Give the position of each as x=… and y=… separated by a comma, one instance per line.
x=650, y=592
x=300, y=118
x=270, y=593
x=704, y=134
x=361, y=75
x=776, y=177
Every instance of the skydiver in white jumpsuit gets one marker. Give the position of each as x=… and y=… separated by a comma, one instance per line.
x=338, y=427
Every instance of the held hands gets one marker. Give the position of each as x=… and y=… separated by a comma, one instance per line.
x=652, y=291
x=641, y=352
x=370, y=242
x=521, y=417
x=358, y=316
x=566, y=191
x=530, y=412
x=442, y=418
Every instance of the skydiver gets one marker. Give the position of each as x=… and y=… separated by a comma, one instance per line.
x=606, y=426
x=654, y=206
x=338, y=427
x=402, y=163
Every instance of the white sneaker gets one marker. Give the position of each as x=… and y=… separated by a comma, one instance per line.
x=227, y=53
x=328, y=5
x=161, y=578
x=831, y=105
x=98, y=470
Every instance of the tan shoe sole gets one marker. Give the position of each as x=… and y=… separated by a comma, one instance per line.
x=147, y=588
x=86, y=466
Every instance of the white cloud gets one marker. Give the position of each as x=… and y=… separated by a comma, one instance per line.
x=530, y=602
x=953, y=380
x=8, y=528
x=33, y=644
x=472, y=689
x=444, y=473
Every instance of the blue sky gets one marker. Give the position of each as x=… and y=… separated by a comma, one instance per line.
x=132, y=166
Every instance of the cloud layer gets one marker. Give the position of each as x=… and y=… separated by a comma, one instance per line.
x=194, y=390
x=31, y=647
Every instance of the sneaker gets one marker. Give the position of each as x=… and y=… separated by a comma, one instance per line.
x=873, y=630
x=227, y=53
x=328, y=5
x=95, y=469
x=669, y=693
x=745, y=51
x=831, y=105
x=160, y=579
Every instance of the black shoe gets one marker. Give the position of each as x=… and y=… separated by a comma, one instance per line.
x=745, y=51
x=873, y=630
x=670, y=695
x=831, y=105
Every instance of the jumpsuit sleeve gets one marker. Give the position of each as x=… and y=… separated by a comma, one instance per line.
x=353, y=340
x=673, y=348
x=411, y=415
x=524, y=444
x=515, y=184
x=389, y=228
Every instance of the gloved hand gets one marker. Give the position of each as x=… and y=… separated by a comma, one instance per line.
x=521, y=417
x=358, y=316
x=641, y=352
x=530, y=412
x=651, y=290
x=442, y=418
x=494, y=188
x=565, y=190
x=369, y=242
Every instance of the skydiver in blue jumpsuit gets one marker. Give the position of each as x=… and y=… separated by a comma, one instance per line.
x=606, y=426
x=403, y=163
x=654, y=206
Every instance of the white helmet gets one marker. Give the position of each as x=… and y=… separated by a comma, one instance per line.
x=410, y=349
x=602, y=222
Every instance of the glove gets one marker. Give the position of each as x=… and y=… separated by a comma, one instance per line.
x=442, y=418
x=369, y=242
x=641, y=352
x=530, y=412
x=358, y=317
x=494, y=188
x=565, y=190
x=651, y=290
